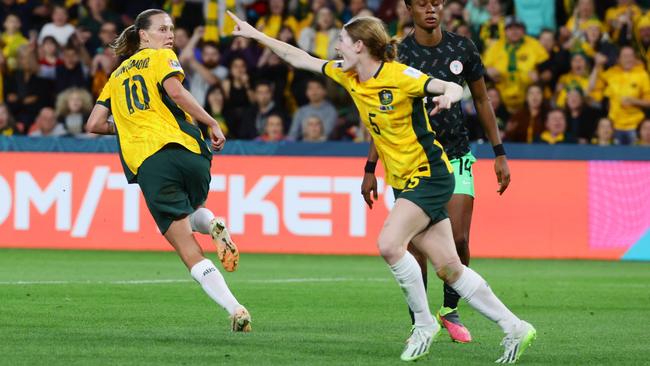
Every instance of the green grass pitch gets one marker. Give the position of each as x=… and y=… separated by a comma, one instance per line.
x=142, y=308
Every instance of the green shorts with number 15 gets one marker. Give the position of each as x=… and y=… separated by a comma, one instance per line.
x=463, y=174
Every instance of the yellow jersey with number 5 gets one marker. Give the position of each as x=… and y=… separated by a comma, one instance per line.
x=391, y=106
x=146, y=118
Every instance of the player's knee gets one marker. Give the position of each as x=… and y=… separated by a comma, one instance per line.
x=450, y=272
x=389, y=248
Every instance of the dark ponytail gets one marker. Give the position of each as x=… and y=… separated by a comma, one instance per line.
x=128, y=42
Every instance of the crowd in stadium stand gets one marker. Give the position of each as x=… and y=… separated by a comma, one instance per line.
x=558, y=71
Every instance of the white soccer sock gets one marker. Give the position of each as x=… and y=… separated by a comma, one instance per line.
x=200, y=220
x=409, y=277
x=214, y=285
x=478, y=294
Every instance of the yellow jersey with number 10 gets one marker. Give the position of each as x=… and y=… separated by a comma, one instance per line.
x=146, y=118
x=391, y=106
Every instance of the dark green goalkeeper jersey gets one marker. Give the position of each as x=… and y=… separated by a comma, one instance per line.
x=454, y=59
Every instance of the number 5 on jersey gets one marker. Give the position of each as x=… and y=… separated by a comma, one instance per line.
x=375, y=126
x=413, y=182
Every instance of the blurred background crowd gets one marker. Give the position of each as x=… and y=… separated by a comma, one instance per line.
x=558, y=71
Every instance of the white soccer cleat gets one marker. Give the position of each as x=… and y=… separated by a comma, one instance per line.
x=226, y=249
x=420, y=341
x=516, y=342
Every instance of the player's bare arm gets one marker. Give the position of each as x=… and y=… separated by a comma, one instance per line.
x=186, y=101
x=451, y=93
x=489, y=124
x=98, y=121
x=292, y=55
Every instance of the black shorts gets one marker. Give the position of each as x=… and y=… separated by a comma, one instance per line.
x=431, y=194
x=174, y=182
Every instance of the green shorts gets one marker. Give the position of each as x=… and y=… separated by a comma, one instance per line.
x=431, y=194
x=463, y=174
x=174, y=182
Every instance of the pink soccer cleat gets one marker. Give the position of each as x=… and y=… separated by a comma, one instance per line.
x=449, y=319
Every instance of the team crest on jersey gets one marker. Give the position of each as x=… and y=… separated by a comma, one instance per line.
x=174, y=64
x=456, y=67
x=385, y=97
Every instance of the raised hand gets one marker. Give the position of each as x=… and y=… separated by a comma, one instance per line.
x=242, y=28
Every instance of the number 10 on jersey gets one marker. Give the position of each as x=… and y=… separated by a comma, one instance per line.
x=131, y=93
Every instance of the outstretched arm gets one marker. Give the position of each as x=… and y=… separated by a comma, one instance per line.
x=451, y=93
x=290, y=54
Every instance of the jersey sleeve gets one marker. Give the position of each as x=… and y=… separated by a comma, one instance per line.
x=475, y=68
x=334, y=70
x=413, y=81
x=167, y=65
x=105, y=96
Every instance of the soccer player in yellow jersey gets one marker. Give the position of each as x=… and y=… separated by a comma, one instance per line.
x=389, y=96
x=164, y=152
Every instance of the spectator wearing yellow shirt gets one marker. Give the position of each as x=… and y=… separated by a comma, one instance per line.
x=12, y=39
x=620, y=20
x=321, y=37
x=494, y=29
x=577, y=77
x=583, y=12
x=511, y=63
x=627, y=86
x=277, y=17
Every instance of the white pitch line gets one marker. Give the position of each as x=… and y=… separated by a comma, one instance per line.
x=164, y=281
x=308, y=280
